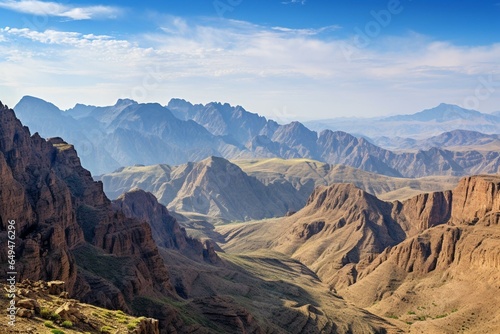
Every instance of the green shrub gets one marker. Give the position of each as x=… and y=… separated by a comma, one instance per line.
x=106, y=330
x=49, y=324
x=67, y=324
x=57, y=331
x=55, y=317
x=45, y=313
x=131, y=326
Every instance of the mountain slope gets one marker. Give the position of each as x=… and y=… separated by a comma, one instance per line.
x=437, y=271
x=213, y=187
x=219, y=188
x=305, y=175
x=445, y=262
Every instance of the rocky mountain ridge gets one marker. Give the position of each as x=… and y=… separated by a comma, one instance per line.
x=252, y=189
x=129, y=133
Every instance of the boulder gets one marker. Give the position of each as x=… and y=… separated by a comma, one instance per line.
x=56, y=287
x=30, y=304
x=25, y=313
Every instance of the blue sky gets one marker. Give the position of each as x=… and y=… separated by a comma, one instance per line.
x=285, y=59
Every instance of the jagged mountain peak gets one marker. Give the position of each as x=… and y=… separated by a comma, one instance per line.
x=337, y=196
x=125, y=101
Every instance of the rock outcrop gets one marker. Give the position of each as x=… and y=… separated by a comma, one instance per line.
x=165, y=229
x=65, y=225
x=42, y=309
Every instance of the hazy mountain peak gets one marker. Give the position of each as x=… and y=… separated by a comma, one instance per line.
x=176, y=103
x=122, y=102
x=35, y=103
x=442, y=113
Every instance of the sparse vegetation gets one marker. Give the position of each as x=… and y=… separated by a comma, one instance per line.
x=49, y=324
x=106, y=330
x=55, y=317
x=441, y=316
x=421, y=318
x=67, y=324
x=57, y=331
x=45, y=313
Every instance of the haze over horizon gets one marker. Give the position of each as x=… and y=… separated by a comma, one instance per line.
x=281, y=59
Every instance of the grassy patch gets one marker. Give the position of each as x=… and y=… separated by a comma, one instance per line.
x=45, y=313
x=153, y=305
x=101, y=264
x=57, y=331
x=106, y=330
x=49, y=324
x=67, y=324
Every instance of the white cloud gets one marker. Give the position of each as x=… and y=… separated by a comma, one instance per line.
x=47, y=8
x=261, y=68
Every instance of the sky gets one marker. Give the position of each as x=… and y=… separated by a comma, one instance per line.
x=284, y=59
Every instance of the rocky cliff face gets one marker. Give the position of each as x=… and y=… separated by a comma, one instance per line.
x=165, y=229
x=476, y=199
x=67, y=228
x=342, y=229
x=455, y=265
x=31, y=193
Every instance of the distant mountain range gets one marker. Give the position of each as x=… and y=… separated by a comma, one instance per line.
x=453, y=140
x=254, y=189
x=130, y=133
x=421, y=125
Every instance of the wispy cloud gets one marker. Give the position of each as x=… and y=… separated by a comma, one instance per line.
x=302, y=2
x=236, y=61
x=46, y=8
x=309, y=31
